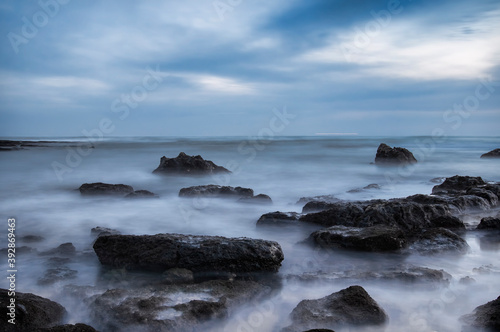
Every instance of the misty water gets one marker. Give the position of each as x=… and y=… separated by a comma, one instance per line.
x=286, y=169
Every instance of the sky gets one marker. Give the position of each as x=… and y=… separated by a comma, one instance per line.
x=249, y=67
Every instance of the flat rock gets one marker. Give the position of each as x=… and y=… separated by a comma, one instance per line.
x=374, y=238
x=188, y=165
x=99, y=188
x=486, y=318
x=492, y=154
x=213, y=190
x=352, y=306
x=399, y=156
x=278, y=218
x=196, y=253
x=457, y=184
x=142, y=194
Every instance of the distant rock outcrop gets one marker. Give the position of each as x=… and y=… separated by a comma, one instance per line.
x=213, y=190
x=99, y=188
x=188, y=165
x=492, y=154
x=398, y=156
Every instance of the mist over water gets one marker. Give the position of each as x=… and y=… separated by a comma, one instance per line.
x=285, y=169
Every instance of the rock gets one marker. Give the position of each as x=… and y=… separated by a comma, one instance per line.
x=322, y=198
x=352, y=306
x=492, y=154
x=399, y=156
x=31, y=312
x=467, y=281
x=486, y=317
x=320, y=330
x=142, y=194
x=278, y=218
x=213, y=190
x=439, y=240
x=69, y=328
x=457, y=185
x=197, y=253
x=438, y=180
x=32, y=238
x=57, y=274
x=318, y=206
x=65, y=249
x=178, y=276
x=20, y=250
x=258, y=199
x=99, y=188
x=490, y=223
x=374, y=238
x=100, y=231
x=368, y=187
x=188, y=165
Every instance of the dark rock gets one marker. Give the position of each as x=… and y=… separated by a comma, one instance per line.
x=100, y=188
x=396, y=155
x=350, y=306
x=32, y=238
x=492, y=154
x=197, y=253
x=57, y=274
x=490, y=223
x=65, y=249
x=457, y=185
x=487, y=195
x=101, y=231
x=258, y=199
x=278, y=218
x=322, y=198
x=318, y=206
x=213, y=190
x=178, y=276
x=320, y=330
x=188, y=165
x=368, y=187
x=31, y=312
x=438, y=180
x=374, y=238
x=142, y=194
x=438, y=240
x=486, y=317
x=69, y=328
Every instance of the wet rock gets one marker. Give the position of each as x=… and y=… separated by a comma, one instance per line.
x=374, y=238
x=213, y=190
x=197, y=253
x=32, y=238
x=486, y=317
x=322, y=198
x=142, y=194
x=352, y=306
x=257, y=199
x=439, y=240
x=101, y=231
x=99, y=188
x=65, y=249
x=278, y=218
x=178, y=276
x=57, y=274
x=31, y=312
x=188, y=165
x=492, y=154
x=457, y=185
x=69, y=328
x=438, y=180
x=319, y=205
x=399, y=156
x=490, y=223
x=368, y=187
x=467, y=281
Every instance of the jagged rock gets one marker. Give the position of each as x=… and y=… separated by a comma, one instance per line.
x=490, y=223
x=492, y=154
x=278, y=218
x=396, y=155
x=374, y=238
x=141, y=194
x=69, y=328
x=188, y=165
x=257, y=199
x=197, y=253
x=65, y=249
x=438, y=240
x=486, y=318
x=457, y=185
x=99, y=188
x=31, y=312
x=352, y=306
x=213, y=190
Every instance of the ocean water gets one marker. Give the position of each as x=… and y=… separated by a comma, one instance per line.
x=47, y=203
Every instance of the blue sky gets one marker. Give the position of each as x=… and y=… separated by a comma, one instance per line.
x=186, y=68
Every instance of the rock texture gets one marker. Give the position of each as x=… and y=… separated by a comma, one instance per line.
x=492, y=154
x=99, y=188
x=213, y=190
x=490, y=223
x=197, y=253
x=352, y=306
x=188, y=165
x=257, y=199
x=439, y=240
x=69, y=328
x=399, y=156
x=485, y=318
x=457, y=185
x=278, y=218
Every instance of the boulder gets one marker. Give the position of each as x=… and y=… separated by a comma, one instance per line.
x=486, y=318
x=196, y=253
x=32, y=312
x=352, y=306
x=399, y=156
x=141, y=194
x=457, y=185
x=213, y=190
x=439, y=240
x=278, y=218
x=257, y=199
x=188, y=165
x=374, y=238
x=99, y=188
x=492, y=154
x=490, y=223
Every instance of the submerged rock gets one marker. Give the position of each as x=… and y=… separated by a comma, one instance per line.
x=485, y=318
x=101, y=231
x=57, y=274
x=32, y=312
x=142, y=194
x=492, y=154
x=188, y=165
x=197, y=253
x=352, y=306
x=257, y=199
x=457, y=185
x=65, y=249
x=368, y=187
x=213, y=190
x=374, y=238
x=399, y=156
x=278, y=218
x=99, y=188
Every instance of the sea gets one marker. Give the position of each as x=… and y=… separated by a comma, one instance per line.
x=39, y=188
